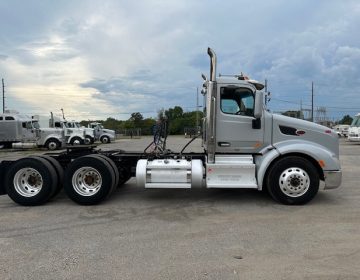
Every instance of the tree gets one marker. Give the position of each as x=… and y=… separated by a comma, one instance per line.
x=136, y=119
x=346, y=120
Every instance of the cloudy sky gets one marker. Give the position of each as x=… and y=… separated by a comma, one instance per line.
x=104, y=58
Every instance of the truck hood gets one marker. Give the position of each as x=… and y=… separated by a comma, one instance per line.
x=287, y=128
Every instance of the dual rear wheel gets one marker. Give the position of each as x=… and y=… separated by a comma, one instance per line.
x=87, y=180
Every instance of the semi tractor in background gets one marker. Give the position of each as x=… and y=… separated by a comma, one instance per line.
x=73, y=134
x=102, y=134
x=18, y=130
x=354, y=129
x=245, y=146
x=89, y=132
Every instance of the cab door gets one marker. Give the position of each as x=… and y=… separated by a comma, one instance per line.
x=28, y=132
x=234, y=122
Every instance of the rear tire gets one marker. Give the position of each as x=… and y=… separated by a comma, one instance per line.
x=31, y=181
x=89, y=180
x=293, y=180
x=113, y=166
x=59, y=172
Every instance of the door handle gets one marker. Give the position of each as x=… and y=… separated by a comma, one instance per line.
x=224, y=144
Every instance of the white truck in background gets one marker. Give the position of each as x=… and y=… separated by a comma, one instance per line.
x=89, y=132
x=342, y=130
x=73, y=135
x=16, y=128
x=354, y=129
x=102, y=134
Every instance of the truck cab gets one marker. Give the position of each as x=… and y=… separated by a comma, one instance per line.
x=16, y=128
x=248, y=147
x=102, y=134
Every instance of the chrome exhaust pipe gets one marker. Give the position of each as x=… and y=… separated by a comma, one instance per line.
x=212, y=55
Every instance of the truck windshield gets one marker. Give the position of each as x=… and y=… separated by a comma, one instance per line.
x=35, y=124
x=356, y=121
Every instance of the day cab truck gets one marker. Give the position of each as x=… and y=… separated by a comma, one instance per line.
x=73, y=135
x=245, y=146
x=354, y=129
x=102, y=134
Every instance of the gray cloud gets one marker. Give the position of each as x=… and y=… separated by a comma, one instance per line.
x=155, y=58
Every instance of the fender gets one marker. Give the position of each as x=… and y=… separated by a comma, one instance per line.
x=42, y=140
x=326, y=160
x=108, y=135
x=81, y=136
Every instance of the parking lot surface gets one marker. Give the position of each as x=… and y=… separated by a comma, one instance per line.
x=185, y=234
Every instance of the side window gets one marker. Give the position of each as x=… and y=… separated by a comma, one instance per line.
x=24, y=124
x=237, y=101
x=58, y=124
x=9, y=118
x=1, y=118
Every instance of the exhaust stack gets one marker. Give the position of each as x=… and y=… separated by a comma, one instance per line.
x=212, y=55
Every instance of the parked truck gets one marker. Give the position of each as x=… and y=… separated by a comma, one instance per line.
x=16, y=128
x=73, y=134
x=89, y=132
x=102, y=134
x=21, y=129
x=354, y=129
x=245, y=146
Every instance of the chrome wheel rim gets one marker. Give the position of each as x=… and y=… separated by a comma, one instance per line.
x=87, y=181
x=87, y=141
x=294, y=182
x=76, y=142
x=52, y=146
x=105, y=140
x=28, y=182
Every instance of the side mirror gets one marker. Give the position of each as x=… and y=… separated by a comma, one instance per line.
x=259, y=104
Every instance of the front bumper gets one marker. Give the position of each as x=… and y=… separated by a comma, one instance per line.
x=332, y=179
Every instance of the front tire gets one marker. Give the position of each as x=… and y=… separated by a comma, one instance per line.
x=76, y=141
x=89, y=140
x=105, y=139
x=293, y=180
x=52, y=144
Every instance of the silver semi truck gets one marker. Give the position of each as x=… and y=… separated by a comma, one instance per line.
x=16, y=128
x=102, y=134
x=245, y=146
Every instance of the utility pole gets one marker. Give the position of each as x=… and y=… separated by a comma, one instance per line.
x=312, y=101
x=197, y=108
x=3, y=94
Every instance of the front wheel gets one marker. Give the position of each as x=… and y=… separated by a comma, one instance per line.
x=52, y=144
x=89, y=140
x=105, y=139
x=293, y=180
x=76, y=141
